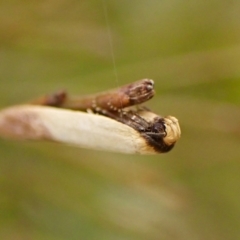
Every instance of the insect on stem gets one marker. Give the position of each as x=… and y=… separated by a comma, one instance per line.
x=161, y=133
x=112, y=100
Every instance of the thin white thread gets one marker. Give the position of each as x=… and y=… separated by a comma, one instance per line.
x=110, y=40
x=114, y=66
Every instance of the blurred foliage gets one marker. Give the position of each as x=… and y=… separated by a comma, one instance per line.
x=192, y=51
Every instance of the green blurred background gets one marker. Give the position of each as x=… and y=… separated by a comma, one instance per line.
x=192, y=51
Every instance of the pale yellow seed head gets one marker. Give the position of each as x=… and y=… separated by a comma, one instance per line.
x=172, y=129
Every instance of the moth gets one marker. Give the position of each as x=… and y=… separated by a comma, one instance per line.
x=121, y=104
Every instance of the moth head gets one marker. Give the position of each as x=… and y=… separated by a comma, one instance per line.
x=172, y=128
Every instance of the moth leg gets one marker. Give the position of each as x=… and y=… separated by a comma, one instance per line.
x=112, y=100
x=129, y=117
